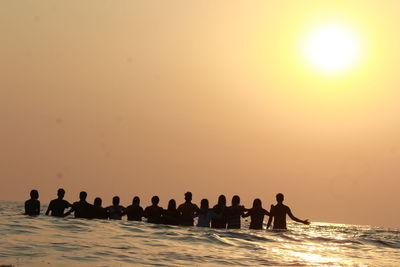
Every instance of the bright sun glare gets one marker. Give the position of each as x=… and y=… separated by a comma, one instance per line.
x=331, y=48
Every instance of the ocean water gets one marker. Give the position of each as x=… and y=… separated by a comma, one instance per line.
x=48, y=241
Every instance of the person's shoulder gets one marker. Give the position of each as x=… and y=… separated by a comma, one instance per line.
x=28, y=201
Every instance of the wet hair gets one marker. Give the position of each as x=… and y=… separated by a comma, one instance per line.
x=172, y=204
x=136, y=200
x=82, y=195
x=60, y=192
x=115, y=200
x=97, y=202
x=222, y=200
x=34, y=194
x=235, y=200
x=257, y=203
x=204, y=204
x=279, y=197
x=188, y=196
x=155, y=200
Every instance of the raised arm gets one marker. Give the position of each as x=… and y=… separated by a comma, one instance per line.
x=289, y=212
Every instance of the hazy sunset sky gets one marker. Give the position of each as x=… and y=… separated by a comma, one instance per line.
x=162, y=97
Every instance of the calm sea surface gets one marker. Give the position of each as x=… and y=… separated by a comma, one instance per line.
x=47, y=241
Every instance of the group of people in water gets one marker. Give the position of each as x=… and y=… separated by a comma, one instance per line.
x=220, y=216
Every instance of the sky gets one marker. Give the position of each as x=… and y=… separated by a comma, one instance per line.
x=214, y=97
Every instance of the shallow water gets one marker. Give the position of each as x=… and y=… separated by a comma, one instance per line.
x=48, y=241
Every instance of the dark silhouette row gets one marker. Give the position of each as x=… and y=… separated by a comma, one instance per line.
x=220, y=216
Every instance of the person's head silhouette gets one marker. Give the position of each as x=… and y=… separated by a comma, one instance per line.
x=61, y=193
x=257, y=203
x=155, y=200
x=136, y=201
x=222, y=200
x=204, y=204
x=82, y=196
x=172, y=204
x=97, y=202
x=115, y=201
x=188, y=196
x=235, y=200
x=34, y=194
x=279, y=198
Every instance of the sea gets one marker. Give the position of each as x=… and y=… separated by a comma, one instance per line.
x=48, y=241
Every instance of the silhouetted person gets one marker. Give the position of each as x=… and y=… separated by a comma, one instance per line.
x=81, y=208
x=97, y=211
x=153, y=213
x=256, y=214
x=218, y=219
x=171, y=216
x=58, y=205
x=32, y=206
x=187, y=210
x=234, y=213
x=279, y=212
x=134, y=211
x=116, y=211
x=204, y=214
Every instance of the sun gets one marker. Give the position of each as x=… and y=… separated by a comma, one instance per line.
x=331, y=48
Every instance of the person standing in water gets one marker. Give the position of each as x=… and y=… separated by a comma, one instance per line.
x=97, y=211
x=58, y=205
x=279, y=212
x=32, y=206
x=234, y=213
x=218, y=219
x=256, y=214
x=171, y=215
x=81, y=208
x=116, y=211
x=154, y=212
x=204, y=214
x=188, y=210
x=134, y=211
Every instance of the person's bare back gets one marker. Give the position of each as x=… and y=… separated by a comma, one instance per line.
x=279, y=212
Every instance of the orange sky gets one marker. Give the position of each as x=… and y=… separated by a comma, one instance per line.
x=162, y=97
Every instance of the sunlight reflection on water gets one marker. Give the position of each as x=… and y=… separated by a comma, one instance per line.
x=73, y=242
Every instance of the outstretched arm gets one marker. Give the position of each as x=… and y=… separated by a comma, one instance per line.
x=270, y=217
x=296, y=219
x=247, y=214
x=69, y=212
